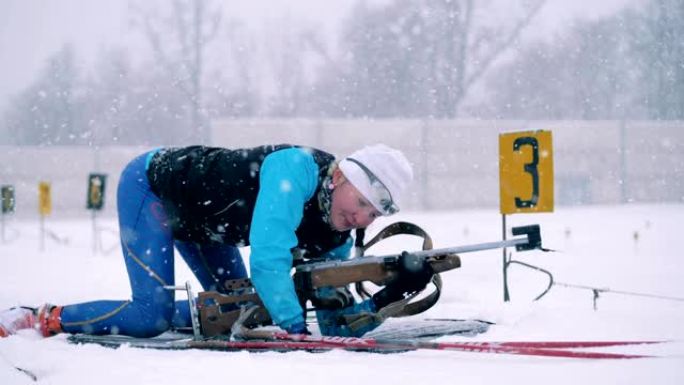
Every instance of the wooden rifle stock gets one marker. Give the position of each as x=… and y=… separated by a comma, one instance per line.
x=380, y=270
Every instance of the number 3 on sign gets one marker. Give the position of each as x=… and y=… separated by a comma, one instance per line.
x=526, y=172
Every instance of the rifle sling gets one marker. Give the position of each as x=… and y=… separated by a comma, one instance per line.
x=403, y=307
x=391, y=230
x=398, y=228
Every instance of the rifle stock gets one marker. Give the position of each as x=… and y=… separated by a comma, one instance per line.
x=380, y=270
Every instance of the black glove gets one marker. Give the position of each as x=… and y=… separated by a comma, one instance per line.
x=332, y=298
x=414, y=274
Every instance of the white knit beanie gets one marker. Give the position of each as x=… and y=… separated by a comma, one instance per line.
x=388, y=165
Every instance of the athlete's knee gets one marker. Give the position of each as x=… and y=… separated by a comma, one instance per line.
x=153, y=322
x=155, y=317
x=150, y=328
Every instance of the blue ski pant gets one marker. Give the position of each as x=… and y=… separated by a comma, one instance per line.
x=148, y=250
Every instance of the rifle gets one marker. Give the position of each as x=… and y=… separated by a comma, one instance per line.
x=218, y=312
x=382, y=270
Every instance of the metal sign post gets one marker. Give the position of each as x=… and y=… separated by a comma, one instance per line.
x=525, y=180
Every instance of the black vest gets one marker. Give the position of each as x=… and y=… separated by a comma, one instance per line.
x=209, y=194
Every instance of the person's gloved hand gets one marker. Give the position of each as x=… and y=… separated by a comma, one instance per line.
x=414, y=274
x=298, y=328
x=332, y=298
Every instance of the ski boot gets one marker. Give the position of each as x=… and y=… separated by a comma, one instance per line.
x=49, y=320
x=45, y=319
x=15, y=319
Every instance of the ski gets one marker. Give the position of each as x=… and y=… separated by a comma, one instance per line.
x=268, y=340
x=568, y=344
x=283, y=342
x=429, y=328
x=527, y=349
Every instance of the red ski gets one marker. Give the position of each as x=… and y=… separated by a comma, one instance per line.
x=263, y=341
x=570, y=344
x=546, y=349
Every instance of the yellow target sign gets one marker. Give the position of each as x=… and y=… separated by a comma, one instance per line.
x=44, y=199
x=526, y=172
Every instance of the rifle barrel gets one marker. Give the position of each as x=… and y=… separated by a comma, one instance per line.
x=471, y=248
x=421, y=253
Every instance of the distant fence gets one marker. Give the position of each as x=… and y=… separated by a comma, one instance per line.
x=456, y=162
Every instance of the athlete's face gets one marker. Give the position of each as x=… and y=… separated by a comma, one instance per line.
x=348, y=208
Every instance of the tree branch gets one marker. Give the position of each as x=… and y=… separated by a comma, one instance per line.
x=485, y=63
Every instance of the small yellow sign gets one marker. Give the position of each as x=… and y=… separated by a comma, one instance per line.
x=44, y=199
x=526, y=172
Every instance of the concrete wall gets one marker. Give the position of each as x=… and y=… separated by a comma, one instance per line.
x=456, y=162
x=67, y=169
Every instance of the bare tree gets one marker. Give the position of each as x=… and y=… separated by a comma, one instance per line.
x=49, y=111
x=286, y=60
x=179, y=40
x=478, y=48
x=625, y=66
x=419, y=58
x=110, y=89
x=658, y=42
x=583, y=74
x=235, y=89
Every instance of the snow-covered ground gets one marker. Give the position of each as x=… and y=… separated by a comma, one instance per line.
x=624, y=248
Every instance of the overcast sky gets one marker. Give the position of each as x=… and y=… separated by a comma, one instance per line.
x=31, y=30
